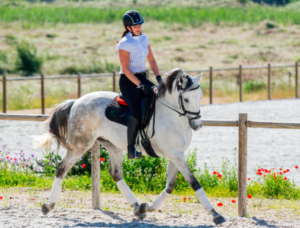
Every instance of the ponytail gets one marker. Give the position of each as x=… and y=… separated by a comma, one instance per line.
x=123, y=34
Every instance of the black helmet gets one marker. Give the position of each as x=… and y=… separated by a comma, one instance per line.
x=132, y=17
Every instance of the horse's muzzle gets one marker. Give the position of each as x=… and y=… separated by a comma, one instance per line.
x=196, y=124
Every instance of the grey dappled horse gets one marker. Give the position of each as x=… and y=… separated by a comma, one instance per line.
x=77, y=124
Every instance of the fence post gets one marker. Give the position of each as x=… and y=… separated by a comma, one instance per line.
x=4, y=93
x=114, y=81
x=43, y=93
x=210, y=85
x=269, y=81
x=242, y=166
x=297, y=80
x=79, y=85
x=96, y=175
x=241, y=84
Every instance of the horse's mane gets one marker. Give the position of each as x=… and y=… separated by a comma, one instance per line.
x=168, y=80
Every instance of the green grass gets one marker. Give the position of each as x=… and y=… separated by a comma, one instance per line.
x=39, y=15
x=147, y=175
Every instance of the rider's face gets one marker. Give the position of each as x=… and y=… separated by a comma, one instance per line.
x=136, y=29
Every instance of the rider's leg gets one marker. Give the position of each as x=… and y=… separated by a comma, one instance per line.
x=181, y=164
x=132, y=95
x=160, y=201
x=115, y=170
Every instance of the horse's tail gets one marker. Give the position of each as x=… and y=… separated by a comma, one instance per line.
x=56, y=126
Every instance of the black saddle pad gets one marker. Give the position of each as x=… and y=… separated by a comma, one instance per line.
x=117, y=113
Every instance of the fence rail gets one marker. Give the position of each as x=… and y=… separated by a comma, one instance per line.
x=79, y=76
x=243, y=124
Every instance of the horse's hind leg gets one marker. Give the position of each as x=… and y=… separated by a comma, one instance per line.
x=63, y=168
x=160, y=201
x=115, y=170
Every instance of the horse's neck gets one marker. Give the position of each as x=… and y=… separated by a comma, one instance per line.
x=169, y=115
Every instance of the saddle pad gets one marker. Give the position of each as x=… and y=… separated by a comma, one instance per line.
x=116, y=112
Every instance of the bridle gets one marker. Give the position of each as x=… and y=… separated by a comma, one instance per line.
x=181, y=104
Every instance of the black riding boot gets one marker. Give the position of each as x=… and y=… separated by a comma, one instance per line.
x=132, y=131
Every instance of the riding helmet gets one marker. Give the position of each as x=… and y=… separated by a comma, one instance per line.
x=132, y=17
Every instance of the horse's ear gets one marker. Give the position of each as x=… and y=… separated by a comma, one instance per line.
x=182, y=81
x=197, y=79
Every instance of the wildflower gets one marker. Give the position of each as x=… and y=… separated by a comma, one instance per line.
x=284, y=171
x=220, y=204
x=1, y=197
x=280, y=173
x=184, y=179
x=83, y=166
x=7, y=157
x=249, y=196
x=255, y=183
x=248, y=178
x=287, y=170
x=102, y=159
x=296, y=167
x=266, y=171
x=51, y=164
x=189, y=198
x=214, y=172
x=3, y=167
x=219, y=175
x=259, y=173
x=233, y=201
x=4, y=146
x=15, y=159
x=285, y=178
x=280, y=169
x=32, y=155
x=184, y=199
x=177, y=178
x=265, y=175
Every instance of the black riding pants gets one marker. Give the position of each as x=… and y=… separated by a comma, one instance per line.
x=132, y=94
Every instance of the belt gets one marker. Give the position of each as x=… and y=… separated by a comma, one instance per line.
x=140, y=72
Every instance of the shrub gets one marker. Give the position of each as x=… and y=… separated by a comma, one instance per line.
x=28, y=62
x=253, y=86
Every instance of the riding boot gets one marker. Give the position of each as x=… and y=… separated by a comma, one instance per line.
x=132, y=131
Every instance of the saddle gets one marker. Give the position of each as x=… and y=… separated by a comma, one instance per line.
x=118, y=111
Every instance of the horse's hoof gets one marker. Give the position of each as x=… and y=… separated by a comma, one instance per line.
x=137, y=213
x=144, y=207
x=219, y=219
x=47, y=207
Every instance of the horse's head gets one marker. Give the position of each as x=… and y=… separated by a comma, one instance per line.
x=187, y=96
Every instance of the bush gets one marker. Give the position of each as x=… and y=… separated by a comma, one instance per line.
x=28, y=62
x=253, y=86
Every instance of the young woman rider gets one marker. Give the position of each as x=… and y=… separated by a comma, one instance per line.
x=133, y=49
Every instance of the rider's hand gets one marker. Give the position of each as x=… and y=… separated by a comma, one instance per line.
x=147, y=89
x=159, y=79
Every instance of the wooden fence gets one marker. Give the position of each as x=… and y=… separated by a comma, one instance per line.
x=79, y=76
x=243, y=124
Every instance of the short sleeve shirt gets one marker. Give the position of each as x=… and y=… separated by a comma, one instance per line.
x=137, y=46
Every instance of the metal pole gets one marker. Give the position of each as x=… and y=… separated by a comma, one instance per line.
x=242, y=166
x=43, y=93
x=269, y=81
x=210, y=85
x=96, y=175
x=297, y=80
x=114, y=81
x=79, y=85
x=4, y=93
x=241, y=84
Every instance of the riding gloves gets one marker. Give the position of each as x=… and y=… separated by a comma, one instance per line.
x=159, y=79
x=146, y=88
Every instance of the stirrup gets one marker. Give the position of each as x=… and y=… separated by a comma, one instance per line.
x=134, y=154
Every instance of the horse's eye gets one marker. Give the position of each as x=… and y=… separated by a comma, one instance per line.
x=186, y=100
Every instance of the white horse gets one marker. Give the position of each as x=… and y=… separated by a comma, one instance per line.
x=77, y=124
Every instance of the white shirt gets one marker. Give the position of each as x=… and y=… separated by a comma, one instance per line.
x=137, y=46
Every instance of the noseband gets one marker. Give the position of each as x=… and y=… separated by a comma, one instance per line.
x=181, y=104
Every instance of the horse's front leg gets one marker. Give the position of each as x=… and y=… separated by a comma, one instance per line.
x=160, y=201
x=181, y=164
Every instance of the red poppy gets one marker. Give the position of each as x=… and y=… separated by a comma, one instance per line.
x=102, y=159
x=284, y=171
x=219, y=175
x=1, y=197
x=214, y=172
x=8, y=158
x=15, y=159
x=248, y=178
x=184, y=199
x=249, y=197
x=287, y=170
x=83, y=166
x=265, y=175
x=280, y=169
x=285, y=178
x=233, y=201
x=220, y=204
x=280, y=173
x=177, y=177
x=259, y=173
x=296, y=167
x=189, y=198
x=258, y=170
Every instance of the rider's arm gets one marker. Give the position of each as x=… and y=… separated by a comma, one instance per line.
x=152, y=62
x=124, y=60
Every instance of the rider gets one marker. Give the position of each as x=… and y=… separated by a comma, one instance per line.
x=133, y=49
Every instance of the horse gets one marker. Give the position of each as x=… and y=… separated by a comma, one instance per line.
x=77, y=124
